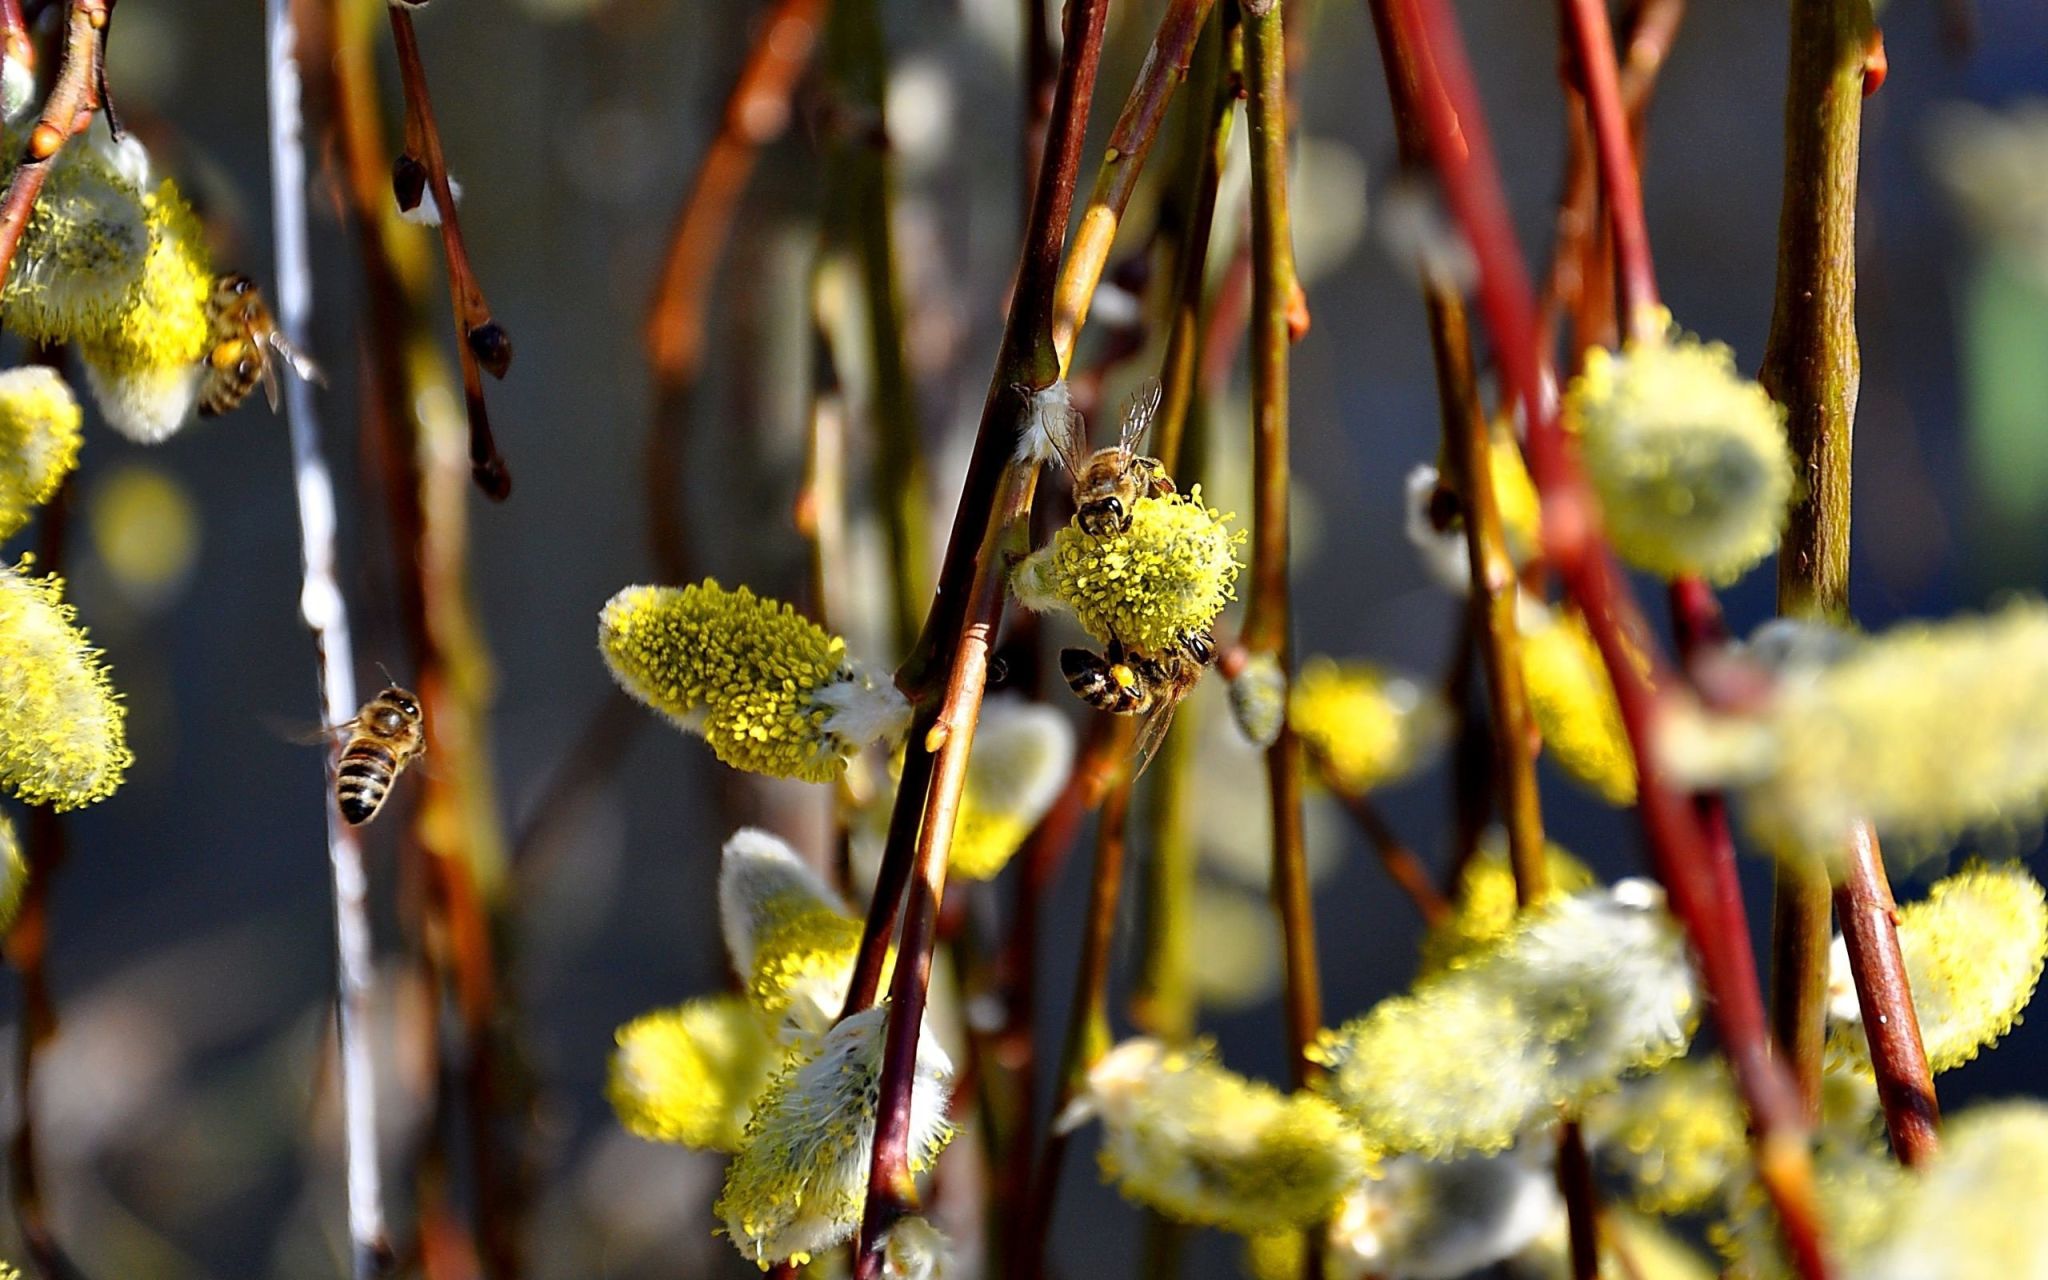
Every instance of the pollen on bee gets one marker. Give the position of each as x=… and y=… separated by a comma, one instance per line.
x=1123, y=675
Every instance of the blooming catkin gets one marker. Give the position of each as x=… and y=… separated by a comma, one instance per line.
x=1676, y=1137
x=39, y=441
x=146, y=365
x=800, y=1179
x=82, y=251
x=1928, y=731
x=792, y=941
x=1585, y=989
x=691, y=1074
x=1571, y=698
x=1166, y=576
x=1204, y=1145
x=62, y=727
x=1973, y=951
x=1369, y=728
x=1486, y=902
x=1974, y=1212
x=769, y=691
x=1688, y=457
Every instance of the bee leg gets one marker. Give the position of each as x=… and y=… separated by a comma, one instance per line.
x=1102, y=684
x=1199, y=646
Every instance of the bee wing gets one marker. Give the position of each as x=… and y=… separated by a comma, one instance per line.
x=1139, y=411
x=298, y=734
x=1151, y=734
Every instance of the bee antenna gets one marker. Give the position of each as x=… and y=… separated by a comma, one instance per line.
x=388, y=680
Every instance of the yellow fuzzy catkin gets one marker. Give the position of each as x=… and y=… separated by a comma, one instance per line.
x=1677, y=1137
x=1584, y=990
x=1486, y=903
x=1204, y=1145
x=771, y=692
x=1166, y=576
x=1022, y=754
x=1973, y=1213
x=691, y=1074
x=1371, y=729
x=800, y=1178
x=1572, y=701
x=63, y=740
x=1973, y=951
x=145, y=366
x=1927, y=731
x=1688, y=457
x=39, y=440
x=82, y=252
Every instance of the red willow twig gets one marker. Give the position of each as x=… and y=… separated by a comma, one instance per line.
x=955, y=643
x=485, y=344
x=1431, y=51
x=65, y=112
x=1592, y=43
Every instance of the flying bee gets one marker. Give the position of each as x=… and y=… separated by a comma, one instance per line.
x=1133, y=684
x=387, y=734
x=1108, y=482
x=243, y=348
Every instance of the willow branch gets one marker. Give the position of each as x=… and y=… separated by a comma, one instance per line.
x=1429, y=49
x=1592, y=42
x=994, y=500
x=325, y=612
x=1268, y=622
x=1402, y=865
x=1870, y=932
x=1212, y=106
x=1088, y=1034
x=485, y=345
x=65, y=112
x=1123, y=159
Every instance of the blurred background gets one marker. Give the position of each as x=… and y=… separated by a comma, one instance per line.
x=185, y=1111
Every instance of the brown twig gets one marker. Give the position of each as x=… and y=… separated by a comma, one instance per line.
x=1401, y=863
x=1123, y=159
x=485, y=345
x=1430, y=53
x=1891, y=1025
x=958, y=630
x=65, y=112
x=1268, y=621
x=1088, y=1034
x=1599, y=76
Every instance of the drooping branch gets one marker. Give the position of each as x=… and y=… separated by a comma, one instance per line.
x=325, y=613
x=485, y=345
x=65, y=112
x=1429, y=57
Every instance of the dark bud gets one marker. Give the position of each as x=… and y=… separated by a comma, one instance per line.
x=492, y=477
x=1445, y=509
x=492, y=347
x=408, y=182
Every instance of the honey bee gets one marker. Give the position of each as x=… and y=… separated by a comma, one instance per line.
x=243, y=347
x=1125, y=683
x=387, y=734
x=1108, y=482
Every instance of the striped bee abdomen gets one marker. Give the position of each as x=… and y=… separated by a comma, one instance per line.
x=364, y=779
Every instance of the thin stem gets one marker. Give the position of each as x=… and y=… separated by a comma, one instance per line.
x=1870, y=931
x=1268, y=621
x=1801, y=912
x=1401, y=863
x=325, y=613
x=1428, y=50
x=1130, y=142
x=1468, y=449
x=756, y=112
x=1088, y=1034
x=485, y=345
x=1163, y=1001
x=1592, y=42
x=64, y=113
x=992, y=515
x=860, y=211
